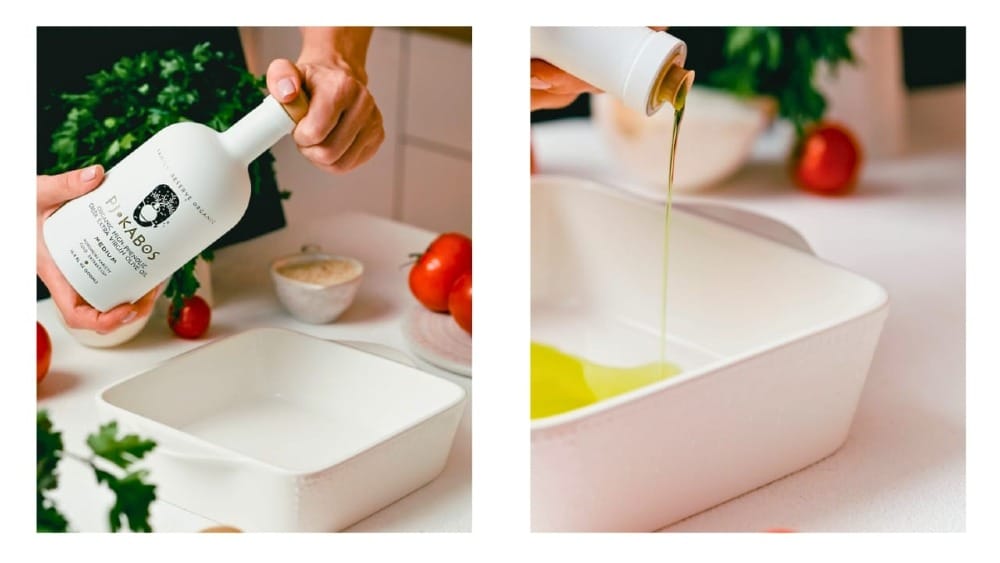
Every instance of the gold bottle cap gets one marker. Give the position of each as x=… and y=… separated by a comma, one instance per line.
x=297, y=108
x=674, y=86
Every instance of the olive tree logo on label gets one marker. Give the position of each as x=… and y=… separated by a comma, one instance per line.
x=156, y=207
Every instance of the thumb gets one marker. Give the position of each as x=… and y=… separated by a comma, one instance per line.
x=283, y=80
x=56, y=190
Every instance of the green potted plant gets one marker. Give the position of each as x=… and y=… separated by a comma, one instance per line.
x=781, y=63
x=125, y=104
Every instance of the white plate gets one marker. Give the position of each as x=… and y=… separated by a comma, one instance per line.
x=437, y=339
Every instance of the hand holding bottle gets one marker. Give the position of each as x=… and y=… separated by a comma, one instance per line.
x=343, y=126
x=552, y=87
x=53, y=191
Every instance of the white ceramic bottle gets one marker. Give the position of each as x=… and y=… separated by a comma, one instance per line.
x=642, y=67
x=162, y=205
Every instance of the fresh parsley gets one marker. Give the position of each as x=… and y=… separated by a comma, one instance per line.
x=781, y=62
x=133, y=492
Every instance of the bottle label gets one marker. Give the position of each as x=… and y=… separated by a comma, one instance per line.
x=156, y=207
x=143, y=222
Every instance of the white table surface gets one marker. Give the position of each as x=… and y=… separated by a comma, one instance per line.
x=244, y=299
x=903, y=465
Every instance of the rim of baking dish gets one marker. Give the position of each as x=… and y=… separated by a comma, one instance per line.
x=208, y=451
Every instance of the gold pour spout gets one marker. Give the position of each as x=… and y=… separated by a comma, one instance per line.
x=674, y=83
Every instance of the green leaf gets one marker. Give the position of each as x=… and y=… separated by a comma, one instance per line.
x=182, y=284
x=49, y=447
x=133, y=493
x=781, y=63
x=119, y=451
x=127, y=141
x=133, y=497
x=113, y=149
x=739, y=38
x=168, y=67
x=773, y=37
x=202, y=52
x=48, y=518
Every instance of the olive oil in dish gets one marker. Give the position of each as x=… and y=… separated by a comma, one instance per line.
x=561, y=382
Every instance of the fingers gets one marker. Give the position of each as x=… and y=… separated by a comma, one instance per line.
x=127, y=313
x=74, y=310
x=144, y=306
x=554, y=80
x=333, y=93
x=53, y=191
x=283, y=80
x=80, y=315
x=552, y=87
x=362, y=148
x=110, y=320
x=77, y=313
x=123, y=314
x=546, y=100
x=343, y=127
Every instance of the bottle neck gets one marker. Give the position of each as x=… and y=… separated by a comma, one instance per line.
x=258, y=131
x=671, y=87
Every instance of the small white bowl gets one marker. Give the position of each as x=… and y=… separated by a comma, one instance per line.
x=315, y=302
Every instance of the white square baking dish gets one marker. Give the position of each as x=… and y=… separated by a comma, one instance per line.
x=272, y=430
x=774, y=343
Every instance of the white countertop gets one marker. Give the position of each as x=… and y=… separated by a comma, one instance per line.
x=903, y=465
x=244, y=299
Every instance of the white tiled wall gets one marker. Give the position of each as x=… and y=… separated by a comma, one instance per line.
x=423, y=173
x=438, y=84
x=435, y=192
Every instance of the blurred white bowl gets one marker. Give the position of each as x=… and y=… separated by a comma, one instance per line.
x=716, y=137
x=116, y=337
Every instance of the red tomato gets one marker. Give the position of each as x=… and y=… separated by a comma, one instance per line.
x=44, y=352
x=193, y=320
x=435, y=272
x=460, y=302
x=827, y=160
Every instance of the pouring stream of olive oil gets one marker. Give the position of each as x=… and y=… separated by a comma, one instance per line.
x=561, y=382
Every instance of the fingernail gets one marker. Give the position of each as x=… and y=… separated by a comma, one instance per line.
x=539, y=84
x=129, y=317
x=286, y=87
x=88, y=174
